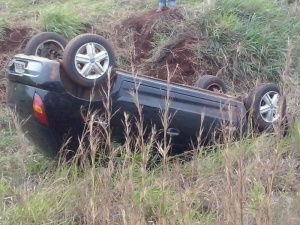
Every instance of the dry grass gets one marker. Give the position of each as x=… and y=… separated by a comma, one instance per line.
x=246, y=182
x=253, y=180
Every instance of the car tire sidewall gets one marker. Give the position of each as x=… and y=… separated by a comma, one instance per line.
x=36, y=40
x=206, y=81
x=252, y=104
x=69, y=59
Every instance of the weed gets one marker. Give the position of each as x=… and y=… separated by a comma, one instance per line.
x=3, y=26
x=254, y=34
x=62, y=20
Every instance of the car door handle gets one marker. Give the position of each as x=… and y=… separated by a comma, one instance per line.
x=173, y=132
x=100, y=122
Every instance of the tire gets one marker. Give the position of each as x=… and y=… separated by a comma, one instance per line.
x=211, y=83
x=47, y=44
x=86, y=71
x=263, y=114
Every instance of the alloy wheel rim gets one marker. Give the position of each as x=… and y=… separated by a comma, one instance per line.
x=269, y=105
x=92, y=61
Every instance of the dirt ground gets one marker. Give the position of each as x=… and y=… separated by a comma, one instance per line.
x=175, y=58
x=14, y=41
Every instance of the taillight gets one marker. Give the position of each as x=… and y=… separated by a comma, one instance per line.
x=39, y=110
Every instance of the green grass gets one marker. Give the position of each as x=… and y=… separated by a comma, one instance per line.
x=62, y=20
x=3, y=26
x=254, y=34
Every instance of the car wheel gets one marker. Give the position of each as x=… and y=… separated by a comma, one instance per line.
x=87, y=59
x=265, y=106
x=47, y=44
x=211, y=83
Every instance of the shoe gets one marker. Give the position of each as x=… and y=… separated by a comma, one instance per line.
x=160, y=9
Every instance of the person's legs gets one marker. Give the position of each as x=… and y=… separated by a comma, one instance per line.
x=162, y=4
x=172, y=3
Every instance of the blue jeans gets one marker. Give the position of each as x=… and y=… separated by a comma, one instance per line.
x=163, y=3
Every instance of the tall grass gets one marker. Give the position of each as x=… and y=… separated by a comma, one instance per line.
x=61, y=19
x=3, y=26
x=223, y=184
x=253, y=35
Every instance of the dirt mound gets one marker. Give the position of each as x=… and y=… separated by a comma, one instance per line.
x=177, y=60
x=176, y=56
x=143, y=28
x=14, y=40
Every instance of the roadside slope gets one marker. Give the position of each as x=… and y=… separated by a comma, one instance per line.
x=254, y=180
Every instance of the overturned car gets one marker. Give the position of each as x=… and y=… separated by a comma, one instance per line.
x=54, y=83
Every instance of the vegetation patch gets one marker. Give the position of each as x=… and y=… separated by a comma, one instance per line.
x=3, y=26
x=250, y=37
x=62, y=20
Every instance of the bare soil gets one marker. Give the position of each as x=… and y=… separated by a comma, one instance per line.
x=177, y=58
x=14, y=41
x=179, y=62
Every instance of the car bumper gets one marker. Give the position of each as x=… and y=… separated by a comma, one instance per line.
x=42, y=138
x=47, y=140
